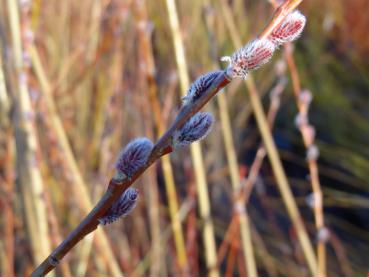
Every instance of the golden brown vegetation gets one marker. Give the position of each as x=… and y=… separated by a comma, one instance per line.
x=80, y=79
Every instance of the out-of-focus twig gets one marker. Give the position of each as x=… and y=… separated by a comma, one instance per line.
x=308, y=134
x=307, y=131
x=269, y=143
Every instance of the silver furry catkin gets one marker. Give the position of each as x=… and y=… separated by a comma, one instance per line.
x=196, y=128
x=199, y=86
x=121, y=207
x=250, y=57
x=134, y=156
x=290, y=29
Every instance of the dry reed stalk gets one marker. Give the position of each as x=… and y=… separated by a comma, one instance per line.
x=341, y=255
x=198, y=163
x=238, y=191
x=6, y=200
x=54, y=231
x=263, y=253
x=248, y=185
x=170, y=186
x=191, y=229
x=247, y=245
x=312, y=163
x=165, y=235
x=171, y=192
x=245, y=232
x=261, y=119
x=79, y=187
x=84, y=257
x=31, y=184
x=6, y=177
x=99, y=41
x=119, y=183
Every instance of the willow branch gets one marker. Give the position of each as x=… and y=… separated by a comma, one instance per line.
x=119, y=184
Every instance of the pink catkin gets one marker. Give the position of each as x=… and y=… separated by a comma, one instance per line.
x=290, y=29
x=250, y=57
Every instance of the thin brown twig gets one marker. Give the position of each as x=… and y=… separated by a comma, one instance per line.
x=118, y=184
x=312, y=162
x=231, y=259
x=341, y=254
x=244, y=192
x=261, y=119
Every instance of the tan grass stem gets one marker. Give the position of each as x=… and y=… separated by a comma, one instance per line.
x=198, y=163
x=79, y=188
x=170, y=185
x=7, y=180
x=31, y=184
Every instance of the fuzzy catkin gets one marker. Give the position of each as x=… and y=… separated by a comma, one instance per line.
x=134, y=156
x=196, y=128
x=200, y=86
x=250, y=57
x=121, y=207
x=290, y=29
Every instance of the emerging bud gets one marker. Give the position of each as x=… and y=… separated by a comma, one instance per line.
x=196, y=128
x=121, y=207
x=290, y=29
x=310, y=200
x=200, y=86
x=301, y=120
x=134, y=156
x=323, y=235
x=312, y=153
x=305, y=97
x=250, y=57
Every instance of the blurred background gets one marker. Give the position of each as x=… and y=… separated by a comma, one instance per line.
x=80, y=79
